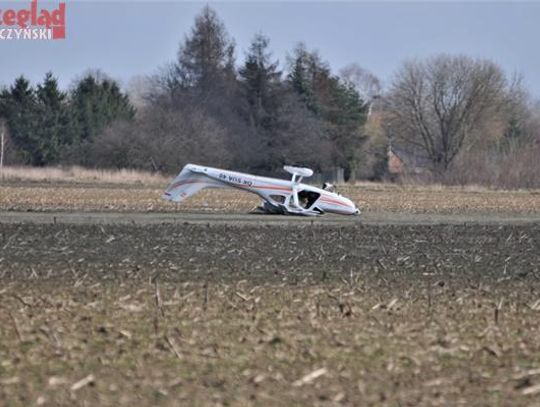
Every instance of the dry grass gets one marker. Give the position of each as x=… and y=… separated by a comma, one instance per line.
x=79, y=175
x=76, y=175
x=52, y=189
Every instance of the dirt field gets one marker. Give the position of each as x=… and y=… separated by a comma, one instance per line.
x=278, y=315
x=101, y=305
x=368, y=197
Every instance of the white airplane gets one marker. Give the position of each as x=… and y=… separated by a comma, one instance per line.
x=279, y=196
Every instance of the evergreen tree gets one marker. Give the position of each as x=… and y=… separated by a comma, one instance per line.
x=53, y=128
x=18, y=106
x=347, y=118
x=260, y=83
x=336, y=103
x=302, y=67
x=206, y=58
x=204, y=78
x=96, y=103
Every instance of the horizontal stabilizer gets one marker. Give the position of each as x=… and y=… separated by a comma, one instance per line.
x=299, y=171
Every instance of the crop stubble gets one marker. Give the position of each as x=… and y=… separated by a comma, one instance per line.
x=368, y=197
x=274, y=315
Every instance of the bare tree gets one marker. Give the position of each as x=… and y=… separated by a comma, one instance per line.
x=139, y=89
x=435, y=106
x=162, y=139
x=366, y=84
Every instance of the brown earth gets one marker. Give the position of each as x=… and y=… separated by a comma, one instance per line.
x=269, y=314
x=110, y=296
x=369, y=198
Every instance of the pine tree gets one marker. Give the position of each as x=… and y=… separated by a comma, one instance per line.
x=96, y=103
x=53, y=129
x=260, y=83
x=301, y=76
x=336, y=103
x=348, y=120
x=18, y=106
x=206, y=58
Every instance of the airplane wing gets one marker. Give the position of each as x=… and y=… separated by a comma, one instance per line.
x=187, y=183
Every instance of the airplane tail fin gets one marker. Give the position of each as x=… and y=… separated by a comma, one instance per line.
x=188, y=183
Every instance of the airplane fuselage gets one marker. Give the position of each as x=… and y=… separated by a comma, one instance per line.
x=280, y=193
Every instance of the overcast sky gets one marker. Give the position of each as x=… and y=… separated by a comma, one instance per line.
x=126, y=39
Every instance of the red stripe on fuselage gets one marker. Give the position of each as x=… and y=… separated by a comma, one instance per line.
x=333, y=201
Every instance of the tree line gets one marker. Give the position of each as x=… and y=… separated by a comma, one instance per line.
x=207, y=108
x=48, y=126
x=202, y=108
